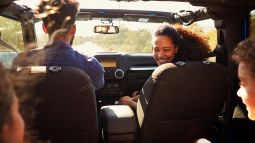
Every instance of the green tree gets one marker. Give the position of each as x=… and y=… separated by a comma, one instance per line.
x=196, y=27
x=11, y=32
x=210, y=34
x=127, y=40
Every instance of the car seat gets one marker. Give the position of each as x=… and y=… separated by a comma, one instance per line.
x=66, y=110
x=179, y=103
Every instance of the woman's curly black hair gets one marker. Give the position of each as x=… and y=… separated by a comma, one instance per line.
x=58, y=14
x=193, y=46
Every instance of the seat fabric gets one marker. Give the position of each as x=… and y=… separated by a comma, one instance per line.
x=65, y=109
x=180, y=104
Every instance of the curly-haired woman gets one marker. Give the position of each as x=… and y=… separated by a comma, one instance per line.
x=171, y=44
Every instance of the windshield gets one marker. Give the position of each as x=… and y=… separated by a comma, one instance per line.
x=133, y=36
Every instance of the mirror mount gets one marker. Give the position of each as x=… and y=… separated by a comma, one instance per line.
x=107, y=21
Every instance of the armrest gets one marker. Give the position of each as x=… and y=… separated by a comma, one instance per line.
x=118, y=123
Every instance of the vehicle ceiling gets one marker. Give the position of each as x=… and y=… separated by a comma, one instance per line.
x=24, y=13
x=150, y=16
x=206, y=3
x=210, y=3
x=218, y=8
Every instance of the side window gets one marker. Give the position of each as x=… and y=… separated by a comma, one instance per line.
x=252, y=22
x=206, y=28
x=11, y=40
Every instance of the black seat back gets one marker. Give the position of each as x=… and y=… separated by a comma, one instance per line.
x=179, y=104
x=66, y=111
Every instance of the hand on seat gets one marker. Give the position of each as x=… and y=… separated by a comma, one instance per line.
x=130, y=101
x=127, y=100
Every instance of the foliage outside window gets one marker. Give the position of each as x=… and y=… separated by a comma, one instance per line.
x=11, y=33
x=207, y=30
x=133, y=37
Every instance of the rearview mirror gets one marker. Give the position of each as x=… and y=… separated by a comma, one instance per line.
x=106, y=29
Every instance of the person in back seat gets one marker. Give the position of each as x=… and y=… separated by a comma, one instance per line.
x=12, y=126
x=58, y=18
x=244, y=56
x=172, y=44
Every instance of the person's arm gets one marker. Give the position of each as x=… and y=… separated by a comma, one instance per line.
x=95, y=71
x=127, y=100
x=130, y=101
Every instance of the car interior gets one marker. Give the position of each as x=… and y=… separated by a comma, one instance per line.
x=180, y=102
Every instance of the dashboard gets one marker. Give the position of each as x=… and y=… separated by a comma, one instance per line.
x=111, y=69
x=124, y=73
x=109, y=62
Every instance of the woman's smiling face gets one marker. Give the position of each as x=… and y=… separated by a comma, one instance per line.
x=163, y=49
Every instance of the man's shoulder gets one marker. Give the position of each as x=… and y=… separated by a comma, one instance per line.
x=29, y=53
x=25, y=58
x=81, y=55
